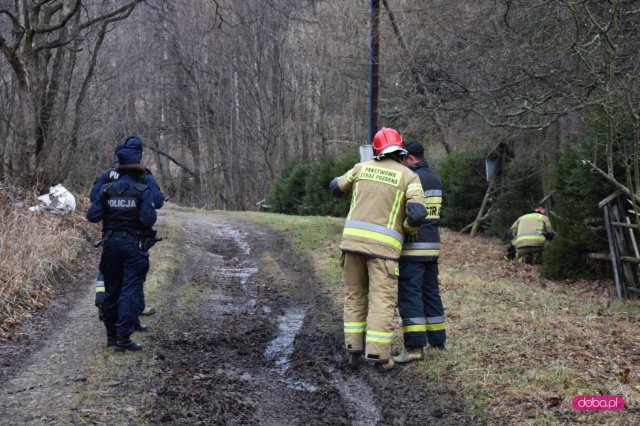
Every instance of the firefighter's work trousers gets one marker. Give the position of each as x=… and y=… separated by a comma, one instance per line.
x=420, y=304
x=371, y=288
x=534, y=252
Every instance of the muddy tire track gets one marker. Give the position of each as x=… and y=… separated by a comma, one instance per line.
x=228, y=357
x=266, y=348
x=243, y=335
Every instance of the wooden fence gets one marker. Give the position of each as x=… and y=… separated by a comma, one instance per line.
x=623, y=233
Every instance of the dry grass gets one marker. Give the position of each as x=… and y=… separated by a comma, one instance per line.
x=33, y=247
x=521, y=347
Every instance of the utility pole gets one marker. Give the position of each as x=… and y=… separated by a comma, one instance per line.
x=373, y=69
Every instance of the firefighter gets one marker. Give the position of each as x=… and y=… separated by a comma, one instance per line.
x=530, y=233
x=158, y=199
x=128, y=214
x=386, y=202
x=419, y=299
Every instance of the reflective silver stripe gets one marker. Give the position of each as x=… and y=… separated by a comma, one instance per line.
x=435, y=320
x=373, y=227
x=529, y=234
x=421, y=246
x=433, y=193
x=414, y=321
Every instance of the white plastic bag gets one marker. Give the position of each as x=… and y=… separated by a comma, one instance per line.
x=58, y=200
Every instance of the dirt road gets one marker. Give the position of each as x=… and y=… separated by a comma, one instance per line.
x=242, y=336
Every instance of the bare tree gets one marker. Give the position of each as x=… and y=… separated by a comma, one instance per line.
x=41, y=41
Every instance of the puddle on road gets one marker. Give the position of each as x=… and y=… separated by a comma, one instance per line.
x=358, y=397
x=225, y=232
x=221, y=304
x=243, y=273
x=281, y=348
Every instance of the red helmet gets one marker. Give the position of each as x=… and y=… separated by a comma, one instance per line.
x=540, y=210
x=387, y=141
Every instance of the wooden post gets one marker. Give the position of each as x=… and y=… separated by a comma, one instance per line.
x=476, y=223
x=612, y=249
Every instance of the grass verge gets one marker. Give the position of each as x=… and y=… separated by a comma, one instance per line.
x=519, y=347
x=34, y=248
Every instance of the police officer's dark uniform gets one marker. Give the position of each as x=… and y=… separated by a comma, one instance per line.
x=157, y=198
x=127, y=212
x=419, y=299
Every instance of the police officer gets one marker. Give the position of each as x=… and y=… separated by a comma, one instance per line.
x=419, y=299
x=157, y=197
x=127, y=213
x=386, y=202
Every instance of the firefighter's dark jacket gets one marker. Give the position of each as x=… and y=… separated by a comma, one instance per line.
x=386, y=201
x=426, y=247
x=124, y=205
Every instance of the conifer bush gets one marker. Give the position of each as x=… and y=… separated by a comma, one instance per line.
x=576, y=197
x=303, y=188
x=464, y=185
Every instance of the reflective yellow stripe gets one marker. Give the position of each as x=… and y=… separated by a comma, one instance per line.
x=380, y=333
x=379, y=336
x=394, y=210
x=378, y=340
x=373, y=236
x=414, y=328
x=353, y=200
x=354, y=327
x=414, y=187
x=434, y=200
x=435, y=327
x=350, y=177
x=528, y=238
x=99, y=289
x=420, y=252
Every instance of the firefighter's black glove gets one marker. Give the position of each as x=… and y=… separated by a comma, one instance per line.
x=335, y=188
x=410, y=232
x=549, y=235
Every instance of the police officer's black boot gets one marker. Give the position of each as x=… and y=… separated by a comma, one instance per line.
x=126, y=344
x=141, y=327
x=111, y=338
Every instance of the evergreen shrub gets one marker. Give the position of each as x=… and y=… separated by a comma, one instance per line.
x=303, y=188
x=464, y=185
x=576, y=197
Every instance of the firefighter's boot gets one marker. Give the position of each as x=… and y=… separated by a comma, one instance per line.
x=383, y=367
x=409, y=355
x=355, y=359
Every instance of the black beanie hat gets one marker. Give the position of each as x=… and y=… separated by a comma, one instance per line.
x=414, y=148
